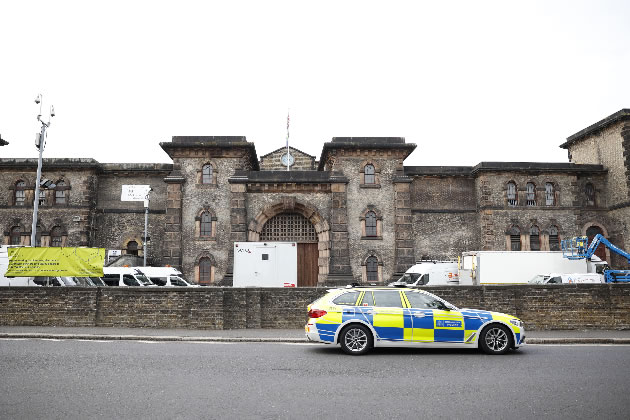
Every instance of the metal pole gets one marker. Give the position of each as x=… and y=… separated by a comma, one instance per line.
x=146, y=223
x=39, y=176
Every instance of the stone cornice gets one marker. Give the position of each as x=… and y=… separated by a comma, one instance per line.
x=621, y=115
x=361, y=144
x=282, y=177
x=218, y=146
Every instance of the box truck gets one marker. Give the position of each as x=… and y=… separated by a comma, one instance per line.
x=4, y=265
x=265, y=264
x=518, y=267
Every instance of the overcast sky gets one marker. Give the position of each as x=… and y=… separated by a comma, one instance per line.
x=467, y=81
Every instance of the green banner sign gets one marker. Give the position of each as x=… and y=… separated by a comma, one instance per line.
x=55, y=261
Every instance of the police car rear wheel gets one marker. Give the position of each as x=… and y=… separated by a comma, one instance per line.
x=356, y=339
x=496, y=339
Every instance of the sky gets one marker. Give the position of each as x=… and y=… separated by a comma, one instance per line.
x=467, y=81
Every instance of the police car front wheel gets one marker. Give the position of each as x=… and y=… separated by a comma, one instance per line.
x=496, y=339
x=356, y=339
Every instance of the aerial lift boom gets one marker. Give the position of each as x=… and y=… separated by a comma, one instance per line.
x=579, y=248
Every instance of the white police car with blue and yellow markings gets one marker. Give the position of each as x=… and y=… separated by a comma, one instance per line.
x=360, y=318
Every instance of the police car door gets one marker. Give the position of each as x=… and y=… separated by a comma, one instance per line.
x=432, y=321
x=388, y=317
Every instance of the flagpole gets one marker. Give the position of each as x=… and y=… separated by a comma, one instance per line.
x=288, y=140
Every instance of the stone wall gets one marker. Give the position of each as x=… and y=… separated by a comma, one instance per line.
x=605, y=147
x=273, y=161
x=582, y=306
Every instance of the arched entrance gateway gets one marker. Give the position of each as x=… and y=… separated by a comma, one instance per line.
x=291, y=221
x=592, y=229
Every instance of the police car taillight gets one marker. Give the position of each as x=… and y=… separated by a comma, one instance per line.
x=316, y=313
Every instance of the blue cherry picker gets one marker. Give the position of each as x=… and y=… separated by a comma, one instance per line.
x=578, y=248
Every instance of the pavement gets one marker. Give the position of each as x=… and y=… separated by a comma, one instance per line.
x=257, y=335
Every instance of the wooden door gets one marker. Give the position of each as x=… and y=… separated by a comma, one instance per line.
x=307, y=269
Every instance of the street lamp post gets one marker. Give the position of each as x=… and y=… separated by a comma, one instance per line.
x=40, y=142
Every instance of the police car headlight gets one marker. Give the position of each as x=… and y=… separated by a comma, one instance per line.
x=516, y=322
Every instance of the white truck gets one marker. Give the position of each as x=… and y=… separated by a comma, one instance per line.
x=518, y=267
x=265, y=264
x=430, y=273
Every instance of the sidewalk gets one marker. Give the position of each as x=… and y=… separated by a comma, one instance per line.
x=272, y=335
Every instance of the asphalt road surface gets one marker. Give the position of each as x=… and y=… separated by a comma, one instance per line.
x=120, y=379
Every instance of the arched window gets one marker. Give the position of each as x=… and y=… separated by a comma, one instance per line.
x=371, y=268
x=206, y=174
x=589, y=191
x=550, y=197
x=206, y=224
x=515, y=238
x=60, y=193
x=554, y=239
x=56, y=236
x=534, y=238
x=205, y=271
x=511, y=194
x=369, y=177
x=370, y=223
x=19, y=193
x=132, y=248
x=16, y=235
x=531, y=194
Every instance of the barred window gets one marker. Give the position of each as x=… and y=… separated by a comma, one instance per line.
x=531, y=194
x=206, y=224
x=515, y=238
x=534, y=238
x=16, y=236
x=42, y=197
x=589, y=190
x=205, y=271
x=511, y=194
x=370, y=223
x=291, y=227
x=206, y=174
x=554, y=239
x=19, y=193
x=550, y=197
x=60, y=193
x=372, y=268
x=368, y=172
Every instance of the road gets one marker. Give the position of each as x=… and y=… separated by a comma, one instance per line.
x=118, y=379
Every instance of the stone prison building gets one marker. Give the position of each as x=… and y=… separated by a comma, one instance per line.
x=357, y=212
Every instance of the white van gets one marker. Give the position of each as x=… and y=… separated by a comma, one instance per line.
x=556, y=278
x=165, y=276
x=4, y=265
x=125, y=276
x=430, y=273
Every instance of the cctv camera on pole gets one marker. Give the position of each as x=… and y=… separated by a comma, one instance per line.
x=40, y=143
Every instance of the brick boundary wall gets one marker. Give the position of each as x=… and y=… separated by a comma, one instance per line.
x=562, y=307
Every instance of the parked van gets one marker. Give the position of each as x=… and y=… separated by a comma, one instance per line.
x=430, y=273
x=165, y=276
x=125, y=276
x=556, y=278
x=4, y=265
x=55, y=281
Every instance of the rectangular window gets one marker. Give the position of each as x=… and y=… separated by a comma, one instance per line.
x=387, y=299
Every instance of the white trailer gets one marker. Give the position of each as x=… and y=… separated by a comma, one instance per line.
x=517, y=267
x=265, y=264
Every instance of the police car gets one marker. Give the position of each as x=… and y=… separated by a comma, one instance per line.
x=359, y=318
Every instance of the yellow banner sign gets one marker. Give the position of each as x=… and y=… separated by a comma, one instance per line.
x=55, y=261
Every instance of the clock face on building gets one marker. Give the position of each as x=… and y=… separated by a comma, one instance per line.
x=288, y=158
